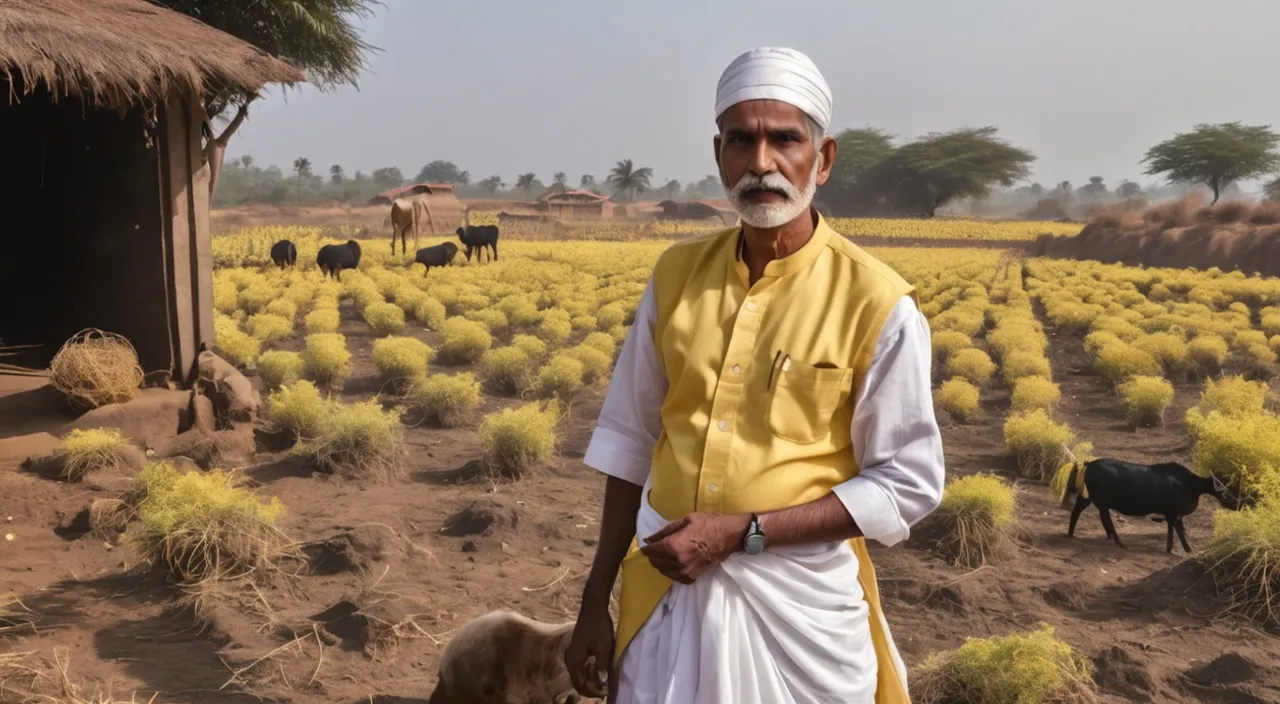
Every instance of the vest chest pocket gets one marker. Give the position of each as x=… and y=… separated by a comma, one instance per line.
x=803, y=399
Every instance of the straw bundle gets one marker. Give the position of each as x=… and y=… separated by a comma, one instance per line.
x=95, y=368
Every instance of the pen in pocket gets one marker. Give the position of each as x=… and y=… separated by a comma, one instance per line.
x=774, y=367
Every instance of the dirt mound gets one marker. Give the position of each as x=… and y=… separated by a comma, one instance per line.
x=1116, y=670
x=16, y=450
x=1068, y=596
x=153, y=416
x=208, y=450
x=1231, y=235
x=487, y=517
x=372, y=624
x=1228, y=668
x=360, y=549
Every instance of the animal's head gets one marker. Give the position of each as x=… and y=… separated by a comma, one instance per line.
x=1224, y=493
x=461, y=232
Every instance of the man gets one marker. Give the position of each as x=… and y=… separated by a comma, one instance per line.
x=769, y=410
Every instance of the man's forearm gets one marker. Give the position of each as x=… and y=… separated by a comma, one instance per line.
x=818, y=521
x=617, y=528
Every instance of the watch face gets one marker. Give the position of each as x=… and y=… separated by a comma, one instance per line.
x=755, y=544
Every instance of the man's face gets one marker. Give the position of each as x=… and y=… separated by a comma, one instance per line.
x=768, y=161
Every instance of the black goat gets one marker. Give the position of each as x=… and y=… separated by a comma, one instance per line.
x=333, y=258
x=1168, y=489
x=436, y=255
x=284, y=253
x=477, y=237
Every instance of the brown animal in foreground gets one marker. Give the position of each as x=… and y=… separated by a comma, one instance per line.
x=406, y=214
x=505, y=658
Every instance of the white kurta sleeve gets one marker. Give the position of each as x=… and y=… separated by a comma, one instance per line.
x=896, y=441
x=631, y=418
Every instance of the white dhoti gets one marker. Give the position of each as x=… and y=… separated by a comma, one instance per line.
x=787, y=626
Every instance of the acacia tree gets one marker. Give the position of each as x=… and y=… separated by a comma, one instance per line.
x=527, y=182
x=492, y=184
x=1215, y=155
x=1128, y=189
x=626, y=178
x=921, y=176
x=302, y=167
x=440, y=171
x=317, y=36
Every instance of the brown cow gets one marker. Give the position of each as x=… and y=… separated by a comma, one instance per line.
x=506, y=658
x=409, y=213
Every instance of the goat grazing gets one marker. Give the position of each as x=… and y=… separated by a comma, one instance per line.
x=1167, y=489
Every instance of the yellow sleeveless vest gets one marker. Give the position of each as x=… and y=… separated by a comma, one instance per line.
x=760, y=398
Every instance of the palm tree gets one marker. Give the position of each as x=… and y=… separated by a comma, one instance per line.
x=335, y=173
x=246, y=161
x=302, y=167
x=672, y=188
x=626, y=178
x=525, y=182
x=587, y=181
x=561, y=178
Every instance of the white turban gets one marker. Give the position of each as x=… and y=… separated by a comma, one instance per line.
x=776, y=73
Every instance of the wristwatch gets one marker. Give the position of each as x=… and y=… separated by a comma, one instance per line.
x=753, y=542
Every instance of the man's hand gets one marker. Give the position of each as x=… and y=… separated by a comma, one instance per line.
x=590, y=651
x=682, y=550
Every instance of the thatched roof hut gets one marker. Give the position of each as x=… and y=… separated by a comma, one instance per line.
x=105, y=190
x=119, y=53
x=570, y=204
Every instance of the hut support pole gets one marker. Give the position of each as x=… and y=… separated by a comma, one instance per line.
x=188, y=242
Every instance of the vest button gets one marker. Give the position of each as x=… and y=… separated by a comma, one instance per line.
x=751, y=306
x=723, y=425
x=713, y=488
x=737, y=369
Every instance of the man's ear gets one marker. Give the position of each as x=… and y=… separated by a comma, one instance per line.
x=826, y=159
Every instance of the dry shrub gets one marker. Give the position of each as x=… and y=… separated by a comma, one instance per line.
x=515, y=439
x=602, y=341
x=1024, y=363
x=556, y=327
x=464, y=341
x=507, y=370
x=532, y=346
x=443, y=400
x=269, y=328
x=1170, y=349
x=1229, y=396
x=95, y=368
x=1244, y=557
x=430, y=312
x=26, y=678
x=1208, y=351
x=977, y=516
x=1259, y=360
x=596, y=364
x=1118, y=361
x=360, y=440
x=15, y=617
x=1020, y=668
x=384, y=318
x=322, y=320
x=948, y=342
x=202, y=525
x=325, y=358
x=1037, y=441
x=401, y=359
x=85, y=451
x=298, y=407
x=108, y=518
x=561, y=376
x=1032, y=392
x=279, y=368
x=234, y=344
x=959, y=398
x=1241, y=450
x=973, y=365
x=1145, y=399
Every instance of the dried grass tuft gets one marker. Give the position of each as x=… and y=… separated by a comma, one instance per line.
x=95, y=368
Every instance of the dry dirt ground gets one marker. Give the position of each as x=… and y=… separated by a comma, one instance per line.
x=1147, y=618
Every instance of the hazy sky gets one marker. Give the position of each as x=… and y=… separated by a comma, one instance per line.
x=505, y=87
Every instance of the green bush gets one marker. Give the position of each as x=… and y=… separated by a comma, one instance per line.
x=385, y=318
x=325, y=358
x=515, y=439
x=959, y=398
x=972, y=365
x=278, y=367
x=1032, y=392
x=561, y=376
x=1037, y=441
x=401, y=359
x=1145, y=399
x=1030, y=668
x=977, y=517
x=507, y=370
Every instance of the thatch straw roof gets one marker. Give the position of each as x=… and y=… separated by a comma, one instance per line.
x=116, y=53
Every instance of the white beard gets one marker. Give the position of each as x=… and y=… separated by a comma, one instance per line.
x=770, y=215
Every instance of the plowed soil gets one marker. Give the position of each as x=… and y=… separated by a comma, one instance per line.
x=446, y=546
